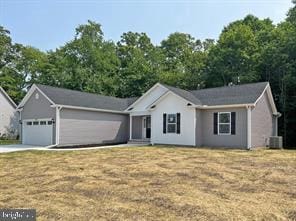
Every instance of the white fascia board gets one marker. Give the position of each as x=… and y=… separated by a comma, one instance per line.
x=8, y=97
x=165, y=95
x=88, y=109
x=270, y=98
x=140, y=113
x=29, y=94
x=145, y=94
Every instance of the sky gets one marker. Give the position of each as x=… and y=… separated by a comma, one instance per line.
x=48, y=24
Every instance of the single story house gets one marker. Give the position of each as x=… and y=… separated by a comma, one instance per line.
x=8, y=116
x=242, y=116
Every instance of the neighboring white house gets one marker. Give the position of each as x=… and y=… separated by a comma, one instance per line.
x=8, y=116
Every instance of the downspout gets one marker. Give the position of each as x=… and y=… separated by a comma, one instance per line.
x=57, y=128
x=20, y=125
x=276, y=117
x=130, y=127
x=249, y=127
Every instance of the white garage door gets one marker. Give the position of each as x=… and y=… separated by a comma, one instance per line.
x=37, y=132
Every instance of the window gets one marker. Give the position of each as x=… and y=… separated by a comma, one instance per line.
x=224, y=123
x=171, y=123
x=49, y=122
x=29, y=123
x=42, y=122
x=35, y=122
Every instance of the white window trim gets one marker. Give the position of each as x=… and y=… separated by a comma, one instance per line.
x=224, y=123
x=39, y=119
x=167, y=124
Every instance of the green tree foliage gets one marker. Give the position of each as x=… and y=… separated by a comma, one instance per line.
x=7, y=80
x=87, y=63
x=184, y=60
x=139, y=64
x=20, y=65
x=236, y=54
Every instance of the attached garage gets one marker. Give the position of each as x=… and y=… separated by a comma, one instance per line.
x=38, y=132
x=53, y=116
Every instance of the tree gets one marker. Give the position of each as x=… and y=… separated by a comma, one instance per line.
x=278, y=66
x=20, y=66
x=87, y=63
x=184, y=60
x=139, y=64
x=292, y=14
x=235, y=56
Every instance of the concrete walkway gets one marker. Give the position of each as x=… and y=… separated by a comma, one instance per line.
x=21, y=147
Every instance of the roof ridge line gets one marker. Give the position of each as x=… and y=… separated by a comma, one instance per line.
x=226, y=86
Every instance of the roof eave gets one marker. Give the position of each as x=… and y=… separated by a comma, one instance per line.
x=89, y=109
x=223, y=106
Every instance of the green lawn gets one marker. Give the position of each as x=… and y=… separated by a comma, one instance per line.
x=5, y=142
x=151, y=183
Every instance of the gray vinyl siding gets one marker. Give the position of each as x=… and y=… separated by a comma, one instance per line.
x=262, y=122
x=82, y=127
x=209, y=139
x=8, y=117
x=198, y=128
x=137, y=127
x=39, y=109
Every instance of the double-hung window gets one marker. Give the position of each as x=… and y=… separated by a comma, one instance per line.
x=172, y=123
x=224, y=123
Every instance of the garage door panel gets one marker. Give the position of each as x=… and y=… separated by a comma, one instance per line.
x=37, y=132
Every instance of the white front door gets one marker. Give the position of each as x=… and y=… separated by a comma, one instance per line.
x=37, y=132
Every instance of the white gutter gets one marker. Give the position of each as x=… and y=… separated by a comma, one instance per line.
x=88, y=109
x=223, y=106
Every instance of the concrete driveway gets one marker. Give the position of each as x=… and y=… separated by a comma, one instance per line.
x=22, y=147
x=19, y=147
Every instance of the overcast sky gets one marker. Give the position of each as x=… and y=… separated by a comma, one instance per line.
x=48, y=24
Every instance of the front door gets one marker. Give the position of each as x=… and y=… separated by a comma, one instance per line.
x=147, y=127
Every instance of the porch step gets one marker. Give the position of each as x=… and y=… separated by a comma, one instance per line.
x=142, y=142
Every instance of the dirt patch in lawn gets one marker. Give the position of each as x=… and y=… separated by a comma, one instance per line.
x=151, y=183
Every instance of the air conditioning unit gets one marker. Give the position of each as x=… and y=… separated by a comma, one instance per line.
x=276, y=142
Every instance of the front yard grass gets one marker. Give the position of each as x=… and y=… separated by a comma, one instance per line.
x=6, y=142
x=151, y=183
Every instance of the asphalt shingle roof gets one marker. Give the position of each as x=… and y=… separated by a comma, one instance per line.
x=63, y=96
x=236, y=94
x=185, y=94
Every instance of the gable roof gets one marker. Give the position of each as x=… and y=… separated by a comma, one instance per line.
x=187, y=95
x=77, y=99
x=220, y=96
x=228, y=95
x=61, y=96
x=236, y=95
x=7, y=97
